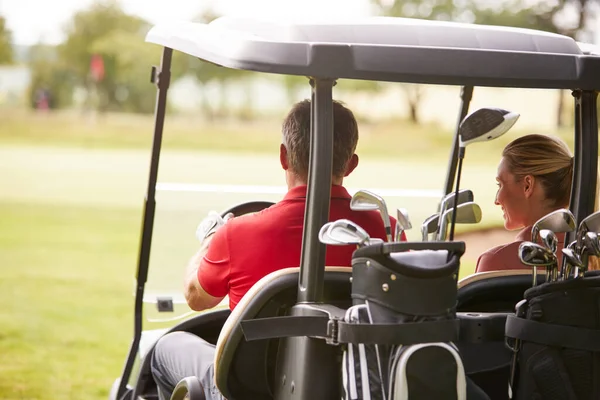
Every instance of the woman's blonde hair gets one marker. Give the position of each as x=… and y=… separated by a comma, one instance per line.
x=549, y=160
x=546, y=158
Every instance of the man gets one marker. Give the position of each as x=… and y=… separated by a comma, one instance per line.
x=249, y=247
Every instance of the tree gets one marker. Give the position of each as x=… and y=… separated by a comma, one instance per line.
x=542, y=15
x=105, y=32
x=49, y=77
x=6, y=51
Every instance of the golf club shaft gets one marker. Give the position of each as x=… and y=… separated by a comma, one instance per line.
x=461, y=156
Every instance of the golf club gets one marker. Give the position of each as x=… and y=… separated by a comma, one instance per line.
x=481, y=125
x=563, y=272
x=402, y=223
x=364, y=200
x=590, y=246
x=463, y=196
x=345, y=231
x=467, y=213
x=550, y=241
x=558, y=221
x=324, y=238
x=570, y=261
x=430, y=225
x=536, y=255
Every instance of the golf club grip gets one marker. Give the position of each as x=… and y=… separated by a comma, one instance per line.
x=457, y=248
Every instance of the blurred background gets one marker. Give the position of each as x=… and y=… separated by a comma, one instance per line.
x=76, y=127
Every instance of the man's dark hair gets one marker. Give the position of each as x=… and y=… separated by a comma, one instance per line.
x=296, y=138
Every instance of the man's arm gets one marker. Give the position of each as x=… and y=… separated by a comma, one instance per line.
x=195, y=295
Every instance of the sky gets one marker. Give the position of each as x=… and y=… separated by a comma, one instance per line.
x=32, y=21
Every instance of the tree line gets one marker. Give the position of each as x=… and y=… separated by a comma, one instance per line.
x=105, y=54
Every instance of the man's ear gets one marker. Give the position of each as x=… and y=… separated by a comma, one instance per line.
x=352, y=164
x=528, y=185
x=283, y=158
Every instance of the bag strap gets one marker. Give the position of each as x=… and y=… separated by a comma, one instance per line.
x=337, y=331
x=552, y=335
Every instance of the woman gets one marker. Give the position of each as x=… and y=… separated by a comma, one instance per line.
x=534, y=179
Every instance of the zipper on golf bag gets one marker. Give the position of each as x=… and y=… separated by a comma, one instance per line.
x=557, y=339
x=403, y=288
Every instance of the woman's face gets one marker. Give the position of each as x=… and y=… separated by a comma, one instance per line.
x=511, y=198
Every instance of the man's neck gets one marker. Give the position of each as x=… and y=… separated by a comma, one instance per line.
x=294, y=181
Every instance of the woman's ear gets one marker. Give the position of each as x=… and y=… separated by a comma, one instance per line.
x=528, y=185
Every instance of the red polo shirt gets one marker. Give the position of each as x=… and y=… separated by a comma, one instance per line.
x=251, y=246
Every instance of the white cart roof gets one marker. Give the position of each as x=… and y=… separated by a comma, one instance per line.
x=390, y=49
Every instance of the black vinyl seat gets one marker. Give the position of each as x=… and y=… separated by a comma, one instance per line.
x=245, y=369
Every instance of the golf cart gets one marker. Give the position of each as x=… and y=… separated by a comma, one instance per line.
x=292, y=335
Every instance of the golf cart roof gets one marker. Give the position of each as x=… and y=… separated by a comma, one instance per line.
x=390, y=49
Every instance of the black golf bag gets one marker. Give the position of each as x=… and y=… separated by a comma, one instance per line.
x=556, y=339
x=415, y=291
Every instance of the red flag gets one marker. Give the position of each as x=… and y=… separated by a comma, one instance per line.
x=97, y=67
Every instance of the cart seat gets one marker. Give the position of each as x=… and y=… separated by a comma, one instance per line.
x=494, y=291
x=245, y=370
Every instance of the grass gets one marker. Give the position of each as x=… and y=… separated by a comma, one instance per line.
x=66, y=291
x=70, y=213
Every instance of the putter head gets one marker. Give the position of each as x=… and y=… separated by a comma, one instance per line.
x=466, y=213
x=572, y=258
x=345, y=231
x=485, y=124
x=558, y=221
x=430, y=225
x=549, y=239
x=533, y=254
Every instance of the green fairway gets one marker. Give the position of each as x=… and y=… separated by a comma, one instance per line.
x=70, y=214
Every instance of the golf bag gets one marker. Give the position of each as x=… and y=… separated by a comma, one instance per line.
x=556, y=339
x=411, y=296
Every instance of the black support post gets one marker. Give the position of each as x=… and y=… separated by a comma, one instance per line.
x=585, y=166
x=312, y=260
x=161, y=77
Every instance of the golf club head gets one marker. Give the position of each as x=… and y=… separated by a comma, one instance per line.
x=591, y=244
x=485, y=124
x=558, y=221
x=591, y=223
x=466, y=213
x=325, y=238
x=549, y=239
x=430, y=225
x=363, y=200
x=572, y=258
x=464, y=196
x=533, y=254
x=403, y=218
x=347, y=232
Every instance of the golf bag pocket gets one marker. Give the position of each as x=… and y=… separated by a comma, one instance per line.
x=408, y=299
x=557, y=341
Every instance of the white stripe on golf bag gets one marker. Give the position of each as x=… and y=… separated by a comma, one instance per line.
x=364, y=373
x=351, y=376
x=399, y=384
x=377, y=353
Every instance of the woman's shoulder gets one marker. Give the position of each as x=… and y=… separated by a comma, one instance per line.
x=500, y=257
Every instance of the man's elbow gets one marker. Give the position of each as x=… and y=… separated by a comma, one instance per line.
x=194, y=300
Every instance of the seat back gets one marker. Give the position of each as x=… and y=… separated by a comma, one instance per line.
x=245, y=370
x=494, y=291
